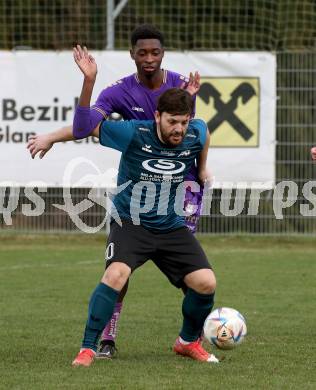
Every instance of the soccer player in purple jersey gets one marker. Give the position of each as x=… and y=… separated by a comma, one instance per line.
x=133, y=97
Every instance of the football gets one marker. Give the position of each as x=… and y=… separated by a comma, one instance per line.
x=225, y=328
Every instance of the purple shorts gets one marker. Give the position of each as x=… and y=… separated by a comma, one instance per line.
x=193, y=200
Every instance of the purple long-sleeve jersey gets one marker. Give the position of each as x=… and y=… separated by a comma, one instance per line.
x=132, y=100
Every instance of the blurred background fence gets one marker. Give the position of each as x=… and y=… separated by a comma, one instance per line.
x=286, y=27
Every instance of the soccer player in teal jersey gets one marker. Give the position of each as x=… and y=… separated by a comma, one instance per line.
x=133, y=97
x=146, y=223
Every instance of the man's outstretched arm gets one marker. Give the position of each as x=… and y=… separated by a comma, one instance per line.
x=115, y=135
x=83, y=124
x=42, y=143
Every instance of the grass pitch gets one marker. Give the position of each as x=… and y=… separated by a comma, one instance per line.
x=46, y=282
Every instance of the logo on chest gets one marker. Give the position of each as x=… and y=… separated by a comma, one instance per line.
x=138, y=109
x=165, y=167
x=147, y=148
x=167, y=153
x=185, y=153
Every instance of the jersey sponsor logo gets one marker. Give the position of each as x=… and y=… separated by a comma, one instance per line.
x=143, y=129
x=166, y=167
x=147, y=148
x=167, y=153
x=138, y=109
x=185, y=153
x=231, y=108
x=191, y=135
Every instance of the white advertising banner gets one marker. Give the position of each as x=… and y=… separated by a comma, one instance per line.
x=39, y=90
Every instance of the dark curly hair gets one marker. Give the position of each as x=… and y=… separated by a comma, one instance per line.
x=175, y=101
x=146, y=31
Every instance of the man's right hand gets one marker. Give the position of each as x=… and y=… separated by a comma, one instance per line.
x=313, y=153
x=85, y=62
x=39, y=143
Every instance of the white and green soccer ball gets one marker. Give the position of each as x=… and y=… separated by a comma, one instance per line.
x=225, y=328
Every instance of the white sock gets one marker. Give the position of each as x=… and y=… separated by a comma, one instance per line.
x=81, y=349
x=184, y=342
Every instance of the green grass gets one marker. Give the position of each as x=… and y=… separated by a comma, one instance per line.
x=46, y=282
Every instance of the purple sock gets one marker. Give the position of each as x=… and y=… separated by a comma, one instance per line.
x=109, y=332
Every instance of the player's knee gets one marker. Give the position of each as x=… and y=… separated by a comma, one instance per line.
x=116, y=275
x=207, y=285
x=202, y=281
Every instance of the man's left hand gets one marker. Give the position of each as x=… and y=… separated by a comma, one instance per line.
x=193, y=85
